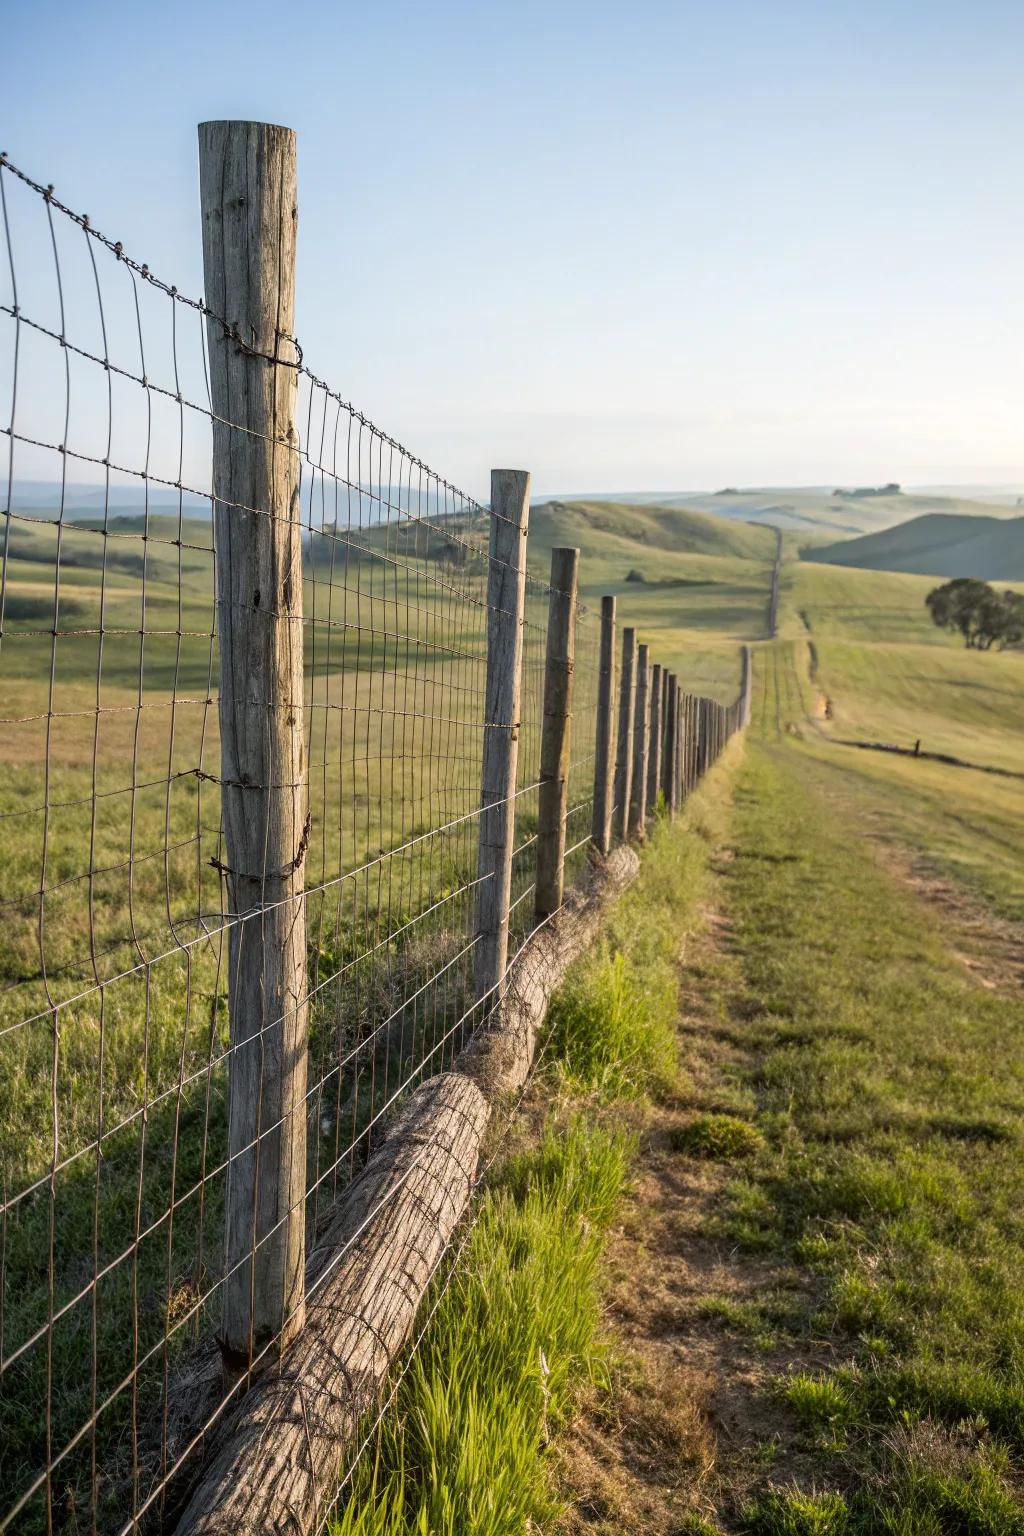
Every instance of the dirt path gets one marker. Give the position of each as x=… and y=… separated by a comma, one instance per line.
x=689, y=1422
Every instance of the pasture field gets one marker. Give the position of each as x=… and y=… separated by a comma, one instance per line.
x=860, y=660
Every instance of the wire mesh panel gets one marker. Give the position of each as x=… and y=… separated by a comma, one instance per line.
x=116, y=1048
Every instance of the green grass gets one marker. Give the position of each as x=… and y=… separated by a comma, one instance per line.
x=717, y=1136
x=890, y=1096
x=515, y=1332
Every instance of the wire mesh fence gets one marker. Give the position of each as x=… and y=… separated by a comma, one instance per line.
x=130, y=925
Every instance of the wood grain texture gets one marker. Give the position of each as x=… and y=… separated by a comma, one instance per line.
x=249, y=216
x=556, y=733
x=506, y=601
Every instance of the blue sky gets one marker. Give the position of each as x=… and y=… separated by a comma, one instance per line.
x=638, y=247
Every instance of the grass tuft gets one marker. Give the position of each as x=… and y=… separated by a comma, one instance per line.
x=722, y=1137
x=795, y=1512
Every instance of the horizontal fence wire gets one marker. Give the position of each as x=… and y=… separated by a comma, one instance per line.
x=115, y=1044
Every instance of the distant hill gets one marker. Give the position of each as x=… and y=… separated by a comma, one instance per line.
x=642, y=530
x=818, y=511
x=937, y=544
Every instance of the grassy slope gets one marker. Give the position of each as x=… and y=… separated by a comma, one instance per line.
x=813, y=511
x=889, y=675
x=937, y=545
x=705, y=579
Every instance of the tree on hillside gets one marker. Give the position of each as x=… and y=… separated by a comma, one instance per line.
x=983, y=616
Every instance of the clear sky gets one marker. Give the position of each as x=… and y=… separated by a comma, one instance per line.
x=640, y=246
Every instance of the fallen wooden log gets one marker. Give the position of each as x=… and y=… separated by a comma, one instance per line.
x=277, y=1462
x=499, y=1056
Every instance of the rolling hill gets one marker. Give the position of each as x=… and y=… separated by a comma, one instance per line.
x=937, y=544
x=817, y=511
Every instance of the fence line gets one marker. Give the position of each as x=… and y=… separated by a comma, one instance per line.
x=247, y=718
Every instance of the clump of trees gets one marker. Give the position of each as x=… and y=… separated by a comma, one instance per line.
x=862, y=491
x=975, y=610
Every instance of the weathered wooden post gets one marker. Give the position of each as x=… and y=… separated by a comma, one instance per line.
x=624, y=744
x=665, y=751
x=604, y=744
x=747, y=687
x=641, y=719
x=654, y=745
x=704, y=736
x=506, y=605
x=248, y=194
x=671, y=745
x=555, y=733
x=688, y=744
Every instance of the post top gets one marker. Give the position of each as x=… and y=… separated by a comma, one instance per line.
x=244, y=122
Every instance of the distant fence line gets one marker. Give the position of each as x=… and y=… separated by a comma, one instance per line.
x=290, y=787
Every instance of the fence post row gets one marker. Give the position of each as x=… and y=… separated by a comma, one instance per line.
x=604, y=786
x=638, y=799
x=556, y=733
x=248, y=195
x=506, y=606
x=624, y=744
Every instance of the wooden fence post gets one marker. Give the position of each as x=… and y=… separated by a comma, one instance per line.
x=604, y=745
x=671, y=745
x=662, y=786
x=688, y=744
x=654, y=746
x=704, y=736
x=506, y=604
x=641, y=719
x=556, y=732
x=248, y=195
x=624, y=743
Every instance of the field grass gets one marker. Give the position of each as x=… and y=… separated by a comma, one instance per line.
x=861, y=661
x=889, y=1094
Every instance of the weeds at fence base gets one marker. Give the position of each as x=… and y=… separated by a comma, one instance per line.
x=516, y=1328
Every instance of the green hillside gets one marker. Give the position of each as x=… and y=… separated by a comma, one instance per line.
x=694, y=586
x=814, y=511
x=606, y=526
x=936, y=545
